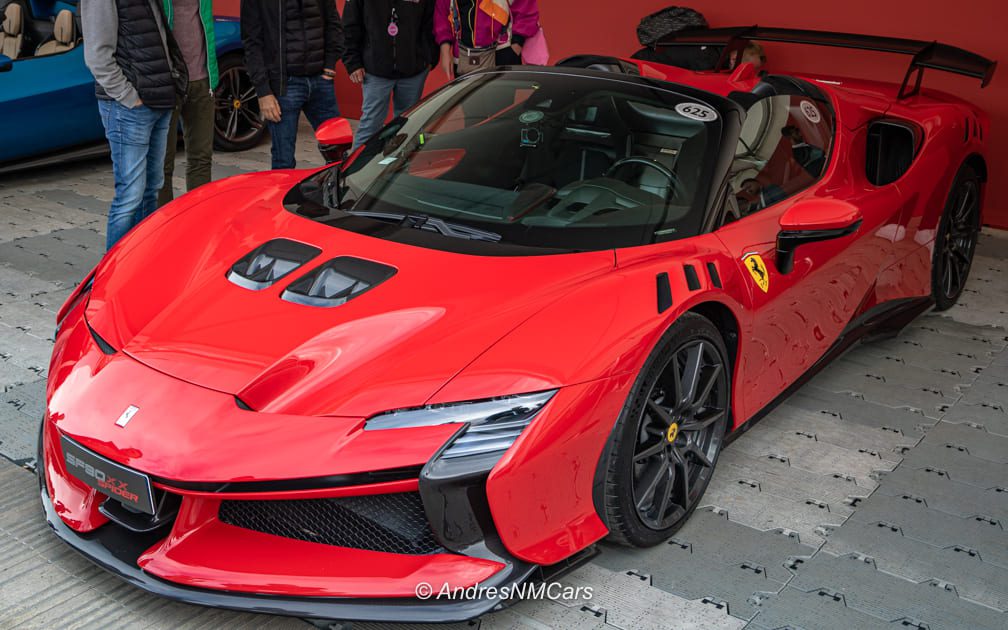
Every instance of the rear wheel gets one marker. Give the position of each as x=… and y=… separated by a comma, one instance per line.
x=956, y=239
x=668, y=438
x=238, y=125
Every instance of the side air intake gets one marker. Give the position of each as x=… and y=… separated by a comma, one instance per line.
x=268, y=263
x=337, y=282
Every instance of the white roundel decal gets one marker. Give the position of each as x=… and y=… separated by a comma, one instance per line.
x=696, y=111
x=811, y=112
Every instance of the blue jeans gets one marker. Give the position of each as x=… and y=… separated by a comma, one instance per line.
x=312, y=95
x=404, y=92
x=137, y=138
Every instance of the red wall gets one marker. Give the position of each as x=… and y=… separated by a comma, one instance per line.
x=592, y=26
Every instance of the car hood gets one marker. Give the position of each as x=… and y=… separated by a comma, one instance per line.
x=163, y=297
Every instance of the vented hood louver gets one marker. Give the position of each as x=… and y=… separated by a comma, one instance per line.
x=337, y=282
x=268, y=263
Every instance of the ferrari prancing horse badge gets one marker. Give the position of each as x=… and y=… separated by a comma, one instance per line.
x=758, y=271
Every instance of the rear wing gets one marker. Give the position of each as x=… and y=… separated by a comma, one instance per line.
x=923, y=54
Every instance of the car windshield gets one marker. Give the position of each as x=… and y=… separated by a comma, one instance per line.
x=558, y=162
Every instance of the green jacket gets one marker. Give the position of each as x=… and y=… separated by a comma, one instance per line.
x=206, y=15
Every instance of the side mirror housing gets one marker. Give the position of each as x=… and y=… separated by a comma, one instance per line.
x=6, y=63
x=810, y=221
x=335, y=137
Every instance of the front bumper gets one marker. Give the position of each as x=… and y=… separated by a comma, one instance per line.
x=122, y=553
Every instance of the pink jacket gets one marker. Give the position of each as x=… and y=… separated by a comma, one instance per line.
x=524, y=23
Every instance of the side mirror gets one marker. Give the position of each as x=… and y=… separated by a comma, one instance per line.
x=6, y=63
x=335, y=137
x=810, y=221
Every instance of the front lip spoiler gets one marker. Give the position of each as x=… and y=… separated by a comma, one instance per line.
x=100, y=548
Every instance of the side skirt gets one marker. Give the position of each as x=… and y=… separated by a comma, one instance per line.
x=883, y=320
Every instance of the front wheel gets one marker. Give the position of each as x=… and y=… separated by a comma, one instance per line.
x=669, y=435
x=238, y=125
x=956, y=239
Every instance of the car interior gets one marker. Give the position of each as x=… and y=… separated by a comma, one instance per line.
x=603, y=155
x=24, y=36
x=783, y=149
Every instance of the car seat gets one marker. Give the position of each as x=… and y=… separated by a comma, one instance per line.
x=64, y=35
x=12, y=31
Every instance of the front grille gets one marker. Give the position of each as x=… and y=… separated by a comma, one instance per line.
x=394, y=523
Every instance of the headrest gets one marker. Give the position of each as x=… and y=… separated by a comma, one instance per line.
x=63, y=28
x=13, y=19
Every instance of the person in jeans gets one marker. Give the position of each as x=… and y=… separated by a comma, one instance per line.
x=481, y=34
x=139, y=75
x=389, y=49
x=191, y=23
x=291, y=51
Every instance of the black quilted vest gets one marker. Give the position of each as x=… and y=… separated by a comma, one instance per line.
x=304, y=32
x=159, y=78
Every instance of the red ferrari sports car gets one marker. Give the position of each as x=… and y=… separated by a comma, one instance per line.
x=526, y=316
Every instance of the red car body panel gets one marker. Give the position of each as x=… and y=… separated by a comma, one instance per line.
x=448, y=328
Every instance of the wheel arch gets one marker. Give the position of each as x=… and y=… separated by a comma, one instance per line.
x=978, y=164
x=725, y=320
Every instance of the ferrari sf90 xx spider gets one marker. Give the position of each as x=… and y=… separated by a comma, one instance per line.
x=525, y=317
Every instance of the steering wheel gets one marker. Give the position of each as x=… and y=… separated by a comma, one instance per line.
x=674, y=185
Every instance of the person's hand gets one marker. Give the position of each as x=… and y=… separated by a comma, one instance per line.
x=139, y=103
x=517, y=48
x=269, y=108
x=446, y=61
x=357, y=76
x=328, y=74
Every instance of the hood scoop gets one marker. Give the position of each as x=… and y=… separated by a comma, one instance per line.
x=269, y=263
x=337, y=282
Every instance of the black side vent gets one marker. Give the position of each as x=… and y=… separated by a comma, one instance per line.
x=270, y=262
x=692, y=280
x=103, y=345
x=715, y=278
x=664, y=292
x=337, y=282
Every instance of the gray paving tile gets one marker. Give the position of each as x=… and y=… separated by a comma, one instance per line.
x=859, y=412
x=980, y=532
x=712, y=558
x=990, y=417
x=943, y=494
x=806, y=453
x=889, y=598
x=21, y=409
x=917, y=561
x=822, y=609
x=942, y=461
x=63, y=257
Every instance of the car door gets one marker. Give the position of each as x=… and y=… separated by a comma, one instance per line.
x=47, y=104
x=794, y=317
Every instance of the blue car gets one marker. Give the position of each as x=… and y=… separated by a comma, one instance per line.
x=48, y=110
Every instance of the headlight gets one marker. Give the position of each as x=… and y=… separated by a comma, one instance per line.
x=493, y=425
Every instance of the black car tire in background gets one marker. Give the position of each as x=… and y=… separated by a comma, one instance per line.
x=956, y=240
x=666, y=442
x=238, y=126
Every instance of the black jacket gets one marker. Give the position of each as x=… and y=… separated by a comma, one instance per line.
x=155, y=67
x=369, y=45
x=266, y=34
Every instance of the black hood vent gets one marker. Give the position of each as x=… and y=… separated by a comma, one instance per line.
x=268, y=263
x=337, y=282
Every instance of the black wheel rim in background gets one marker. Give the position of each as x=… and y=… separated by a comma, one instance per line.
x=236, y=108
x=961, y=233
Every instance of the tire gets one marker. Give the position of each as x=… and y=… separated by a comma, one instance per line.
x=956, y=239
x=645, y=500
x=237, y=123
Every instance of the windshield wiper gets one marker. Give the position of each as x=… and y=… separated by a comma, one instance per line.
x=419, y=221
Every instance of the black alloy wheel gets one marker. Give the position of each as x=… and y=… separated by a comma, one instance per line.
x=238, y=125
x=956, y=240
x=668, y=440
